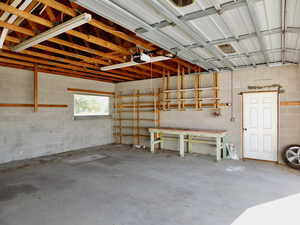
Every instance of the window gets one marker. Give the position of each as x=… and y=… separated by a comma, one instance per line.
x=91, y=105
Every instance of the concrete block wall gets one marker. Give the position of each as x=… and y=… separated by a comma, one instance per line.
x=287, y=76
x=25, y=134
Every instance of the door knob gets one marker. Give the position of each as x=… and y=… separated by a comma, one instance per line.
x=245, y=129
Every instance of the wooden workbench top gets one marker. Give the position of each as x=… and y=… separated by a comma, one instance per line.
x=187, y=130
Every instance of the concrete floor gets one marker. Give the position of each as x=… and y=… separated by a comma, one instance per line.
x=138, y=188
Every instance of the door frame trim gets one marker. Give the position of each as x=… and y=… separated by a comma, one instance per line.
x=242, y=122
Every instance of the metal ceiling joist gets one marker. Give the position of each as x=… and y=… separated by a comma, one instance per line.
x=283, y=29
x=243, y=37
x=118, y=14
x=276, y=50
x=190, y=31
x=253, y=17
x=202, y=13
x=293, y=30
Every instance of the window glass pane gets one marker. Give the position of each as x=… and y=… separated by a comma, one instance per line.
x=90, y=105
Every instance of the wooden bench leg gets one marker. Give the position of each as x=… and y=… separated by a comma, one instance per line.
x=152, y=142
x=181, y=145
x=190, y=138
x=218, y=149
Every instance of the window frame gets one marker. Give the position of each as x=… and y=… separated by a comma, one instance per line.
x=84, y=117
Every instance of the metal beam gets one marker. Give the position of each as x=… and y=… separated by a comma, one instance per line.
x=241, y=37
x=202, y=13
x=276, y=50
x=253, y=17
x=189, y=30
x=120, y=15
x=283, y=29
x=293, y=29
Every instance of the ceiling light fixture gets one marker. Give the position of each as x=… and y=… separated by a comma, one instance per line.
x=57, y=30
x=132, y=63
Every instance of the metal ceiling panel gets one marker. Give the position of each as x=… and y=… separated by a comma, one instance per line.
x=293, y=15
x=203, y=53
x=252, y=27
x=178, y=34
x=141, y=9
x=293, y=40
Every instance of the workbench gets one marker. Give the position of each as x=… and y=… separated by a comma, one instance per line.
x=189, y=136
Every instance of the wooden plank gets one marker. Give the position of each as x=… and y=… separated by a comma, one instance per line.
x=199, y=93
x=47, y=23
x=290, y=103
x=168, y=88
x=135, y=119
x=89, y=38
x=164, y=88
x=32, y=6
x=93, y=73
x=50, y=70
x=36, y=88
x=32, y=105
x=119, y=118
x=158, y=108
x=91, y=91
x=59, y=6
x=196, y=103
x=134, y=95
x=216, y=85
x=75, y=46
x=182, y=87
x=130, y=38
x=138, y=116
x=178, y=87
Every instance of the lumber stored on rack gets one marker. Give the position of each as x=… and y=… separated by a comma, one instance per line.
x=91, y=91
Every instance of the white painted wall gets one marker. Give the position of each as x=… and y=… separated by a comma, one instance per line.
x=287, y=76
x=25, y=134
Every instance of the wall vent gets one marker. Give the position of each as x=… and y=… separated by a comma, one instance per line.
x=227, y=48
x=182, y=3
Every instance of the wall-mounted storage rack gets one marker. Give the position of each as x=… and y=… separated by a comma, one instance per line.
x=184, y=97
x=130, y=115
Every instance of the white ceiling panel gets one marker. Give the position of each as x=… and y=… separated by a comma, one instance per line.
x=203, y=53
x=142, y=9
x=206, y=26
x=292, y=57
x=250, y=30
x=178, y=34
x=292, y=40
x=293, y=15
x=251, y=44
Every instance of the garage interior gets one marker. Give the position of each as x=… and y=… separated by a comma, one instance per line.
x=149, y=112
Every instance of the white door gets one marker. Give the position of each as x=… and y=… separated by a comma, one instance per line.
x=260, y=125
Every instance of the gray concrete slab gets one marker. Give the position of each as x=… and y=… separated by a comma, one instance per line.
x=131, y=187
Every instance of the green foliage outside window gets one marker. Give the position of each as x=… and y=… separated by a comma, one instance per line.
x=90, y=105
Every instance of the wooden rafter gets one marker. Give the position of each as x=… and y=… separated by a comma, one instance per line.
x=51, y=70
x=91, y=51
x=71, y=12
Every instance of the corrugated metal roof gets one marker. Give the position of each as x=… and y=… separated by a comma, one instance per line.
x=253, y=27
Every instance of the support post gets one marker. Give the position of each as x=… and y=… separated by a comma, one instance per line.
x=152, y=149
x=138, y=117
x=168, y=88
x=178, y=88
x=36, y=89
x=218, y=149
x=190, y=138
x=181, y=145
